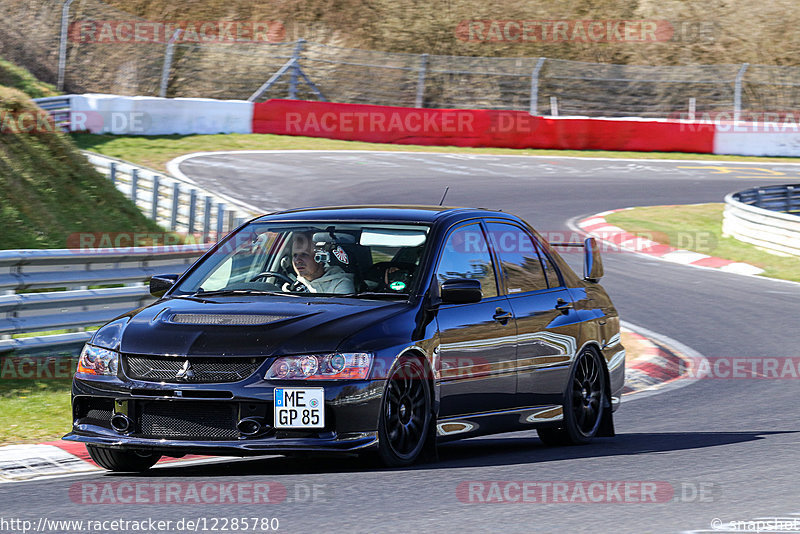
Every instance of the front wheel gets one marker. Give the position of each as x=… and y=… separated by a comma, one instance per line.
x=584, y=404
x=122, y=461
x=405, y=414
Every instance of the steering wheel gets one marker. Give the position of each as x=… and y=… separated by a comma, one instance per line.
x=266, y=274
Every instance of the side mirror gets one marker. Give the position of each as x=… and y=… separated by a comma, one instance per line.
x=461, y=291
x=592, y=263
x=160, y=284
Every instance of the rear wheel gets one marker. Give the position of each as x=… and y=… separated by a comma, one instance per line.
x=405, y=414
x=584, y=404
x=122, y=461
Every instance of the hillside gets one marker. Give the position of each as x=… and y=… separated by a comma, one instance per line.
x=16, y=77
x=47, y=188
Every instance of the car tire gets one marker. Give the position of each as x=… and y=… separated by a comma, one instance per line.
x=405, y=417
x=584, y=404
x=122, y=461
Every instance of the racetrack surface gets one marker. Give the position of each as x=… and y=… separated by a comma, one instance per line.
x=736, y=439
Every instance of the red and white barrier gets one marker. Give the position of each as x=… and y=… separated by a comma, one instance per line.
x=474, y=128
x=414, y=126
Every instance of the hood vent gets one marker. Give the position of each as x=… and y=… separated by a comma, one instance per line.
x=225, y=319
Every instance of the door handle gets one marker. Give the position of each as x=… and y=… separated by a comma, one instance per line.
x=564, y=306
x=502, y=316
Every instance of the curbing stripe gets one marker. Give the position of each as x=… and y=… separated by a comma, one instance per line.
x=597, y=227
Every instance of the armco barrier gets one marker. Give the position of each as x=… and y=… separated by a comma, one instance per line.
x=759, y=216
x=475, y=128
x=76, y=308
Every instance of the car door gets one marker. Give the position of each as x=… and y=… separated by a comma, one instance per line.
x=477, y=350
x=547, y=325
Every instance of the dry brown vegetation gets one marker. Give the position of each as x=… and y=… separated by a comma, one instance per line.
x=733, y=31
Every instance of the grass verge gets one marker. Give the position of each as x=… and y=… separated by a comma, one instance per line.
x=698, y=227
x=33, y=411
x=156, y=151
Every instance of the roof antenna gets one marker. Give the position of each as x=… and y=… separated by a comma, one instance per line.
x=446, y=189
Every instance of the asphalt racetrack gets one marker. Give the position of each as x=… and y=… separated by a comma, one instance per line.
x=729, y=449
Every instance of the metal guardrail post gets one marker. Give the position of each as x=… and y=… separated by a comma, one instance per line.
x=737, y=91
x=176, y=193
x=62, y=45
x=298, y=48
x=134, y=184
x=112, y=174
x=423, y=70
x=534, y=107
x=154, y=209
x=206, y=218
x=162, y=91
x=192, y=209
x=220, y=220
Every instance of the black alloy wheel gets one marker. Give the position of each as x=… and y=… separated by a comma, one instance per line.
x=405, y=414
x=584, y=403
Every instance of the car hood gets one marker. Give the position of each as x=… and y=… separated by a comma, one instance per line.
x=285, y=325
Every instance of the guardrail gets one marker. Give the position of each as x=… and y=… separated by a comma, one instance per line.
x=174, y=203
x=73, y=308
x=765, y=217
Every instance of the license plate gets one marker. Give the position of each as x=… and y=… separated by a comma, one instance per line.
x=299, y=407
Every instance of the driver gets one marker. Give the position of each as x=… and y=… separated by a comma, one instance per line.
x=317, y=277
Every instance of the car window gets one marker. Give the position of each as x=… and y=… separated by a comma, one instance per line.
x=466, y=255
x=549, y=271
x=519, y=258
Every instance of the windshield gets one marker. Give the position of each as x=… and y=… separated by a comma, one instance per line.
x=313, y=258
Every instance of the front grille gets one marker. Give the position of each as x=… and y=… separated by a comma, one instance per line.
x=194, y=369
x=188, y=420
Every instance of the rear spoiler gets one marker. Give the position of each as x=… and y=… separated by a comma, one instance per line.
x=592, y=263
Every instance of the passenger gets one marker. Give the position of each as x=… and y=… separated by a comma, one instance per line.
x=317, y=277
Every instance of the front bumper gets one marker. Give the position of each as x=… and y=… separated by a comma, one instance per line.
x=202, y=418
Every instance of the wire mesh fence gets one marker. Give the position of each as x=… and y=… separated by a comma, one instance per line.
x=127, y=65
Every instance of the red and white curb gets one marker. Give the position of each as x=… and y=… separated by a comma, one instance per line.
x=653, y=366
x=597, y=226
x=55, y=458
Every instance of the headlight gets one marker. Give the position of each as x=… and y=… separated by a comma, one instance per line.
x=97, y=361
x=350, y=365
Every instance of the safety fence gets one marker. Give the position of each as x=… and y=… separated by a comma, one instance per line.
x=61, y=42
x=766, y=216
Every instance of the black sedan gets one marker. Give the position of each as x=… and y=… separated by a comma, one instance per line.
x=355, y=329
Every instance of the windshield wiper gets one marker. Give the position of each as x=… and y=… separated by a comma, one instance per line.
x=376, y=294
